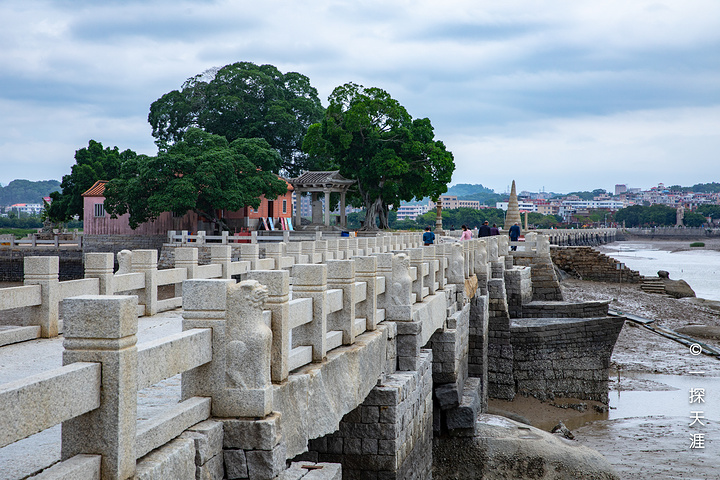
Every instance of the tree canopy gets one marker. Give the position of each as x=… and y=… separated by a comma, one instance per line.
x=202, y=172
x=242, y=100
x=92, y=163
x=639, y=216
x=371, y=138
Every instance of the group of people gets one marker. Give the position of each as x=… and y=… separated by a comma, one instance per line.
x=485, y=230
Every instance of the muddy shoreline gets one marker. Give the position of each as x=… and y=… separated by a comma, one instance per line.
x=645, y=445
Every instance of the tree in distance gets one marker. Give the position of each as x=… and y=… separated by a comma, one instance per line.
x=202, y=172
x=242, y=100
x=371, y=138
x=92, y=163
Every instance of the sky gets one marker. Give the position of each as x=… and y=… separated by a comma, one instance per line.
x=558, y=95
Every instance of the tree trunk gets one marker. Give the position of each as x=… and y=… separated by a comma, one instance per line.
x=372, y=211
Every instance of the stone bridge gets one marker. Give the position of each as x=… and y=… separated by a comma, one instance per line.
x=324, y=360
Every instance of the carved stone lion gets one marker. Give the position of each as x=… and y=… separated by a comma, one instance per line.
x=124, y=258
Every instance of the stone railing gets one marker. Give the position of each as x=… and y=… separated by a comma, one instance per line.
x=584, y=236
x=57, y=241
x=247, y=350
x=94, y=395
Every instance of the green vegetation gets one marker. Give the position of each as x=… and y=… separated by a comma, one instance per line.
x=371, y=138
x=242, y=100
x=697, y=244
x=203, y=172
x=18, y=232
x=91, y=164
x=25, y=191
x=642, y=216
x=585, y=195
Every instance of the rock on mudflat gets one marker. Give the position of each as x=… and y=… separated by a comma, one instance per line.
x=504, y=449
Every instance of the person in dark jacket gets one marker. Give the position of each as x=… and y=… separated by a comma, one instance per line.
x=428, y=237
x=494, y=230
x=484, y=230
x=514, y=234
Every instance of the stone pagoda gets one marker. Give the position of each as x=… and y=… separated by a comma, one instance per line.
x=513, y=211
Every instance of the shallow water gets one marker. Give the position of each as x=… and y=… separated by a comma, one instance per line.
x=699, y=268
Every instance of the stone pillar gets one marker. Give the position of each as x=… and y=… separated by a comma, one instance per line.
x=316, y=208
x=343, y=217
x=362, y=247
x=187, y=258
x=102, y=329
x=310, y=281
x=205, y=306
x=248, y=388
x=366, y=271
x=278, y=285
x=341, y=275
x=145, y=261
x=326, y=215
x=222, y=254
x=456, y=267
x=384, y=269
x=478, y=346
x=44, y=271
x=417, y=260
x=298, y=208
x=321, y=248
x=276, y=251
x=440, y=258
x=100, y=266
x=250, y=252
x=481, y=265
x=500, y=351
x=399, y=304
x=429, y=256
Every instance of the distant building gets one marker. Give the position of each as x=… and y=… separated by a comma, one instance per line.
x=450, y=202
x=26, y=208
x=620, y=189
x=526, y=206
x=411, y=212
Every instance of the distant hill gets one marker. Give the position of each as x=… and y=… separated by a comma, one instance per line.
x=464, y=189
x=25, y=191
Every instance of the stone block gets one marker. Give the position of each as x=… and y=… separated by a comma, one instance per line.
x=249, y=434
x=176, y=460
x=89, y=316
x=235, y=464
x=266, y=463
x=208, y=438
x=213, y=469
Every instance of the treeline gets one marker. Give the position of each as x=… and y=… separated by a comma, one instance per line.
x=457, y=217
x=25, y=191
x=32, y=221
x=665, y=216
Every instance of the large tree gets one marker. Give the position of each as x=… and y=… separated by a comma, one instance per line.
x=91, y=164
x=204, y=173
x=371, y=138
x=242, y=100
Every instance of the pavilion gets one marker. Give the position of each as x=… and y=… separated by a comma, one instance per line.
x=316, y=183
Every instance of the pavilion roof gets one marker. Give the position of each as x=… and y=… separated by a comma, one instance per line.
x=332, y=181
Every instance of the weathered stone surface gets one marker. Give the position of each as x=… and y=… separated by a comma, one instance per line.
x=266, y=464
x=213, y=469
x=678, y=288
x=250, y=434
x=504, y=449
x=235, y=464
x=208, y=439
x=75, y=468
x=175, y=460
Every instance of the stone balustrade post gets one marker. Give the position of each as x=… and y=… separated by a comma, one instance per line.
x=251, y=253
x=341, y=275
x=399, y=304
x=103, y=329
x=417, y=260
x=308, y=248
x=201, y=237
x=481, y=265
x=456, y=265
x=184, y=235
x=384, y=269
x=543, y=245
x=372, y=246
x=352, y=247
x=187, y=258
x=278, y=285
x=321, y=248
x=44, y=271
x=343, y=252
x=286, y=236
x=366, y=271
x=171, y=236
x=310, y=281
x=225, y=237
x=276, y=251
x=248, y=345
x=362, y=247
x=145, y=261
x=222, y=254
x=332, y=249
x=205, y=306
x=293, y=249
x=492, y=248
x=429, y=256
x=101, y=266
x=466, y=257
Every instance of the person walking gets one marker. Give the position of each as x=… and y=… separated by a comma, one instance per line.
x=466, y=234
x=428, y=237
x=514, y=234
x=494, y=230
x=484, y=230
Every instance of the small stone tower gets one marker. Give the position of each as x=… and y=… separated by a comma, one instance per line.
x=513, y=211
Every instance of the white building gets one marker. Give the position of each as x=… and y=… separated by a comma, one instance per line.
x=27, y=208
x=411, y=212
x=527, y=206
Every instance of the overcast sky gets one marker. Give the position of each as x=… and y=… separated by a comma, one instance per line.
x=558, y=95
